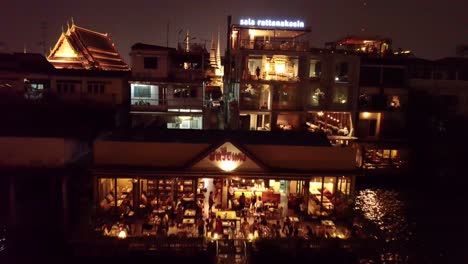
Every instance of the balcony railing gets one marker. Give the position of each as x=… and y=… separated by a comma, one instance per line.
x=162, y=105
x=274, y=45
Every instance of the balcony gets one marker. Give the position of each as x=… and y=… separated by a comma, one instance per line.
x=164, y=105
x=290, y=45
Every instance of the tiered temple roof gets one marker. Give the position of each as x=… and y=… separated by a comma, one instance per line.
x=81, y=48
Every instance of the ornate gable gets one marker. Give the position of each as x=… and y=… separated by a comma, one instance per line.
x=227, y=157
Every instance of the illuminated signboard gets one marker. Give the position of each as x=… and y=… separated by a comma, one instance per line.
x=227, y=158
x=272, y=23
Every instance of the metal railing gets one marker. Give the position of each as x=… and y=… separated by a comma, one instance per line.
x=290, y=45
x=165, y=104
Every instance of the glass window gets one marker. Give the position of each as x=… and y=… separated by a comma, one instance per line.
x=95, y=88
x=343, y=190
x=315, y=68
x=340, y=94
x=101, y=88
x=317, y=96
x=72, y=88
x=332, y=123
x=255, y=122
x=150, y=62
x=328, y=192
x=90, y=88
x=142, y=91
x=255, y=97
x=288, y=121
x=286, y=97
x=185, y=122
x=341, y=72
x=344, y=185
x=106, y=193
x=315, y=195
x=276, y=67
x=125, y=194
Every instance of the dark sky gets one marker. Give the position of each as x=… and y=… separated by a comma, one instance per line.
x=430, y=28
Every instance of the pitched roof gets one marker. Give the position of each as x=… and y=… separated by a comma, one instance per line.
x=143, y=46
x=81, y=48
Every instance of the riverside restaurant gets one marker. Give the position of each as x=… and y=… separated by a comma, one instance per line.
x=205, y=183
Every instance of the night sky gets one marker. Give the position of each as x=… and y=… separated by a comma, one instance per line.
x=430, y=28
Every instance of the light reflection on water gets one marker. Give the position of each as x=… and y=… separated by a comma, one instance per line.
x=383, y=215
x=2, y=237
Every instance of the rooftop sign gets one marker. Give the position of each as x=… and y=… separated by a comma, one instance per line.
x=272, y=23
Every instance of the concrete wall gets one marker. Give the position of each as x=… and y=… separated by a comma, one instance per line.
x=37, y=152
x=146, y=154
x=305, y=158
x=138, y=69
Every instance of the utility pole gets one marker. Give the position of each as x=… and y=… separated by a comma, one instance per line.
x=167, y=33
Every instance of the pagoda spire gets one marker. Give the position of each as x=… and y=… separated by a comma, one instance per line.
x=218, y=52
x=212, y=52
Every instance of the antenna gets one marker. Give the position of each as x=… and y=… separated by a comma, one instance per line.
x=43, y=42
x=167, y=33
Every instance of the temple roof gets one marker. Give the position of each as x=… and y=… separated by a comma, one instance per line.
x=81, y=48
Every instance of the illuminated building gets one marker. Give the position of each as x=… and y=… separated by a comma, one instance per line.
x=170, y=87
x=184, y=165
x=83, y=74
x=81, y=48
x=370, y=45
x=279, y=82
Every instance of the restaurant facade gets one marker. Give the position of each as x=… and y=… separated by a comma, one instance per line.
x=293, y=176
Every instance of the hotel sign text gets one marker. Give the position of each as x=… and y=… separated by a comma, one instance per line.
x=272, y=23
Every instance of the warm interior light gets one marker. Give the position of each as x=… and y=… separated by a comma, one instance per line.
x=185, y=117
x=320, y=113
x=280, y=66
x=122, y=234
x=251, y=236
x=215, y=236
x=366, y=114
x=228, y=165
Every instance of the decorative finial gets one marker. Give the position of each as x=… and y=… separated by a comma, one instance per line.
x=68, y=26
x=63, y=30
x=72, y=21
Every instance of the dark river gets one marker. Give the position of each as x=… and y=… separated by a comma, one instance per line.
x=43, y=212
